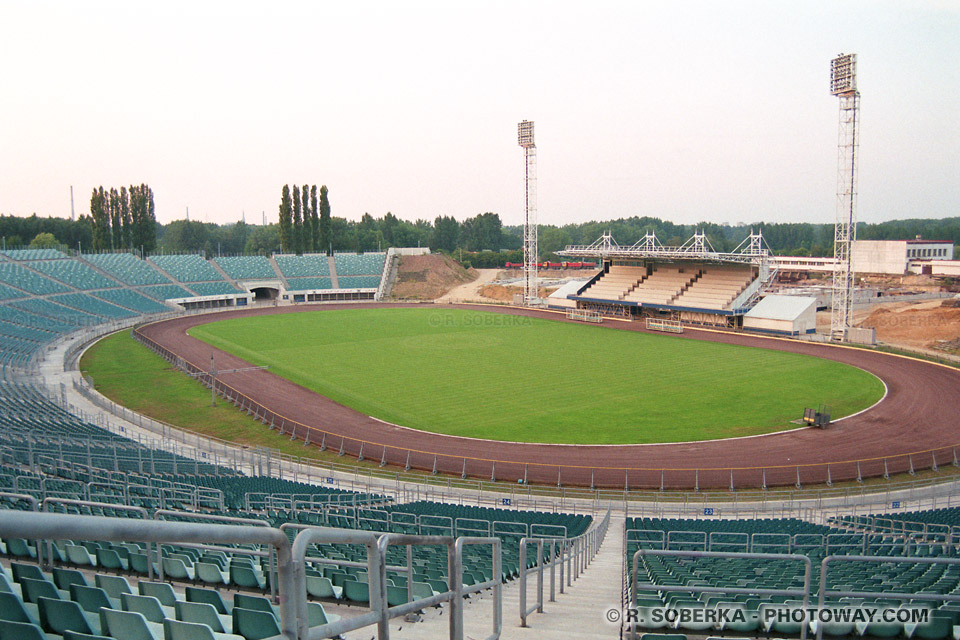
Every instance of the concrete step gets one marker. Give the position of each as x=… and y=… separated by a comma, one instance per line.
x=579, y=612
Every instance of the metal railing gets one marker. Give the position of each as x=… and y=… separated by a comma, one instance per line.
x=575, y=552
x=635, y=585
x=824, y=592
x=56, y=526
x=380, y=612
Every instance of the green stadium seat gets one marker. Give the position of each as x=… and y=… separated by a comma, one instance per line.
x=12, y=609
x=60, y=616
x=129, y=625
x=148, y=606
x=91, y=599
x=203, y=613
x=13, y=630
x=254, y=625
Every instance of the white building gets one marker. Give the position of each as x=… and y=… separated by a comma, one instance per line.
x=894, y=256
x=783, y=315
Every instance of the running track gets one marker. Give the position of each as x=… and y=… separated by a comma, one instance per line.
x=918, y=424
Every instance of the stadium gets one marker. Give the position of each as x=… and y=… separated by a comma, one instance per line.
x=555, y=511
x=609, y=423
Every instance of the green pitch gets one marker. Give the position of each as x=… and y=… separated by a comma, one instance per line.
x=488, y=375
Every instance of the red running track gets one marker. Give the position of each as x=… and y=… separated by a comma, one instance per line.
x=917, y=425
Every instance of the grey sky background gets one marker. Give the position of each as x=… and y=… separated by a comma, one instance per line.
x=688, y=111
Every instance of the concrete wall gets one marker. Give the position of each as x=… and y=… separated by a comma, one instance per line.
x=879, y=256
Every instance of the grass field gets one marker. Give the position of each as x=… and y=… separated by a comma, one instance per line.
x=505, y=377
x=131, y=375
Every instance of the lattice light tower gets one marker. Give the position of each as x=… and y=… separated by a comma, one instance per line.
x=525, y=139
x=843, y=84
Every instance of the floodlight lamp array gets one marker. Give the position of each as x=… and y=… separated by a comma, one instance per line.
x=843, y=74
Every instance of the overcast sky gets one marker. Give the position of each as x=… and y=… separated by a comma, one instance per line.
x=689, y=111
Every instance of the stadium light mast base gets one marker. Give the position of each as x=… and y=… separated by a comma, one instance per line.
x=530, y=253
x=843, y=84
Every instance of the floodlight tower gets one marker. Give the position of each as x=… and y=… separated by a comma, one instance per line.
x=525, y=139
x=843, y=84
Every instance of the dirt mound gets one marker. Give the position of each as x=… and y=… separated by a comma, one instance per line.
x=503, y=293
x=428, y=277
x=921, y=325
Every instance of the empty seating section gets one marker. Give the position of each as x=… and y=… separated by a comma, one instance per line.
x=213, y=288
x=663, y=285
x=187, y=268
x=33, y=254
x=359, y=282
x=132, y=300
x=54, y=311
x=616, y=283
x=18, y=343
x=934, y=525
x=303, y=284
x=364, y=264
x=74, y=273
x=34, y=321
x=9, y=293
x=783, y=536
x=90, y=304
x=716, y=287
x=247, y=267
x=127, y=268
x=165, y=291
x=22, y=278
x=311, y=265
x=659, y=284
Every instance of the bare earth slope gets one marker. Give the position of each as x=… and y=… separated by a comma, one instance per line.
x=428, y=277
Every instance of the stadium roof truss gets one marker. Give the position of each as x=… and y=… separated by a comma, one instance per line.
x=752, y=251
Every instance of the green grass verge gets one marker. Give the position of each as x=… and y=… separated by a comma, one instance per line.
x=131, y=375
x=502, y=377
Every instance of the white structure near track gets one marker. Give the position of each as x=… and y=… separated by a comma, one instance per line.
x=783, y=315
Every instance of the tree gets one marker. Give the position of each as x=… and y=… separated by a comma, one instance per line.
x=116, y=217
x=314, y=221
x=482, y=233
x=263, y=240
x=446, y=230
x=306, y=230
x=100, y=219
x=44, y=241
x=150, y=225
x=326, y=227
x=297, y=222
x=389, y=226
x=286, y=221
x=143, y=220
x=187, y=236
x=125, y=219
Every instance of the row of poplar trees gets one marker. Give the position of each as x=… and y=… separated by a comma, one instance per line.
x=305, y=220
x=123, y=219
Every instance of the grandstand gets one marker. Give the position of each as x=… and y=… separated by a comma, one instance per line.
x=691, y=283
